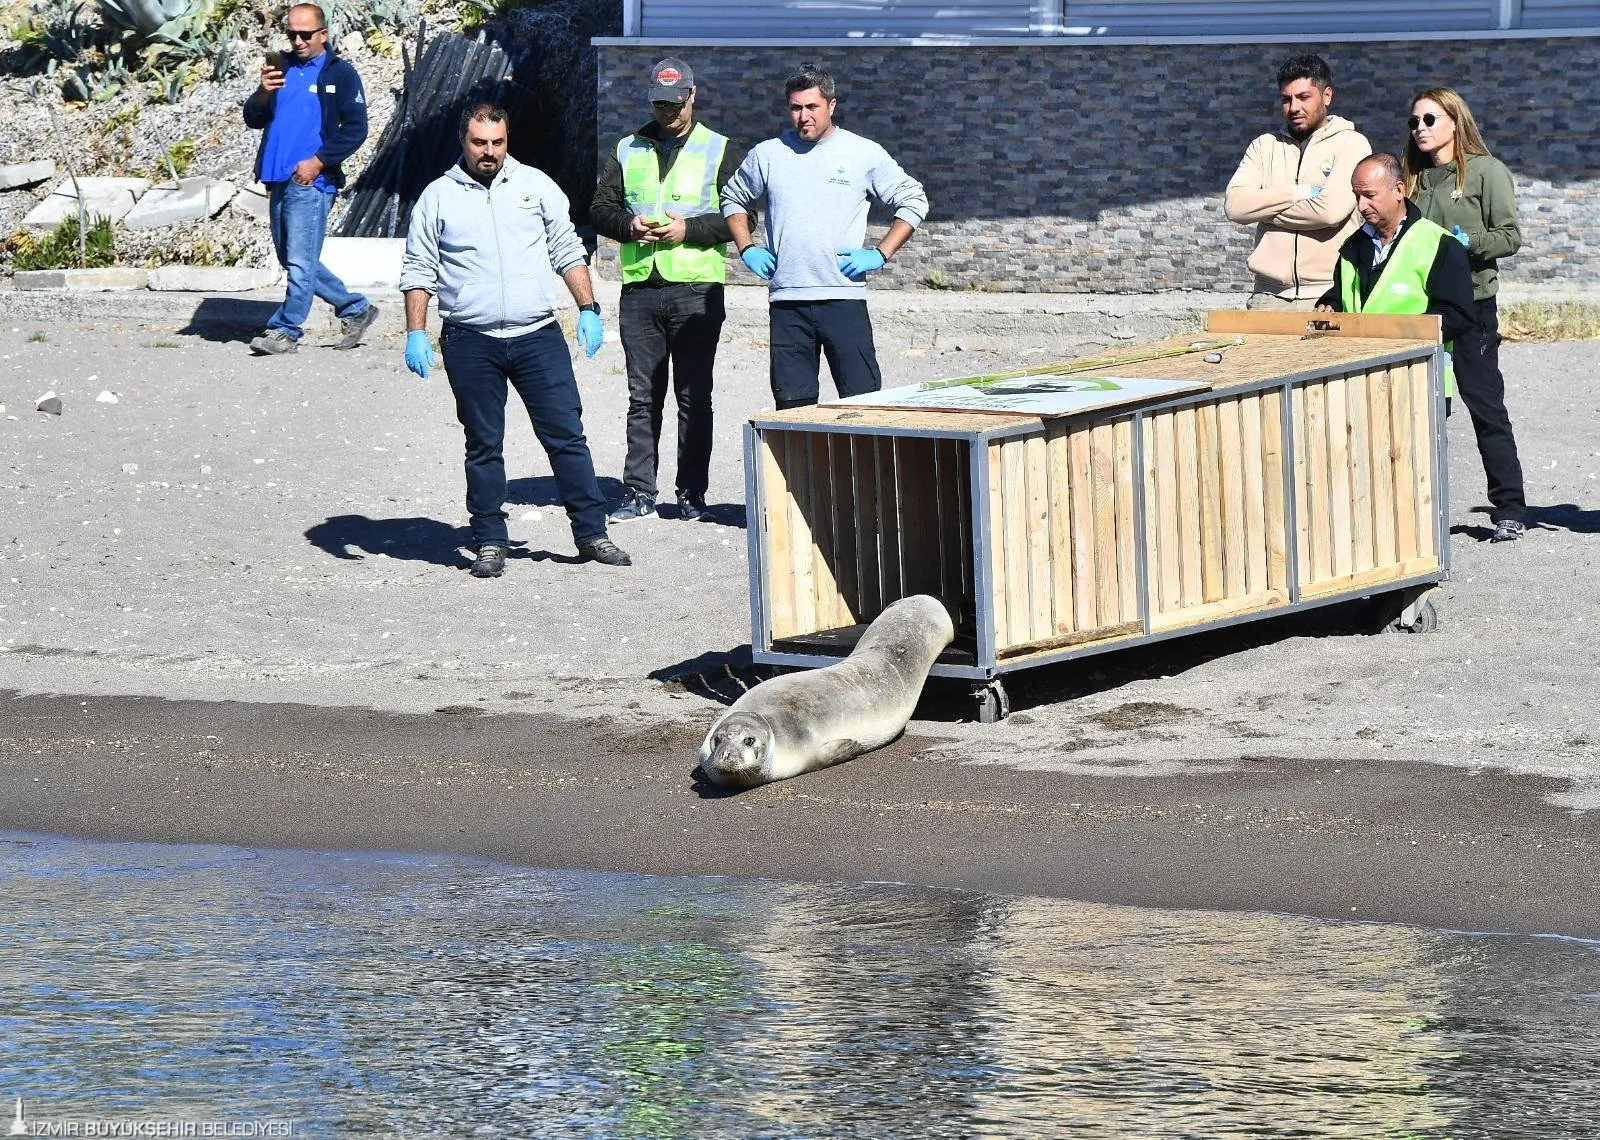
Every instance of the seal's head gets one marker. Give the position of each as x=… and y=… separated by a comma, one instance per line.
x=737, y=752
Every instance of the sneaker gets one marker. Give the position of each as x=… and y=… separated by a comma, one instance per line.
x=356, y=327
x=634, y=505
x=602, y=549
x=491, y=561
x=1508, y=530
x=274, y=342
x=692, y=506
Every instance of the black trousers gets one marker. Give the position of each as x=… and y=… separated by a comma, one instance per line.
x=680, y=324
x=539, y=366
x=802, y=331
x=1483, y=390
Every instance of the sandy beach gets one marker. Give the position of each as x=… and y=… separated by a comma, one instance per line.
x=233, y=608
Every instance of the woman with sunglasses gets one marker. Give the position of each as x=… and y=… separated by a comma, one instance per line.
x=1455, y=182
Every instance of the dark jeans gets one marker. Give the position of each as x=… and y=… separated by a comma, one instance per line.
x=802, y=331
x=1483, y=390
x=298, y=216
x=539, y=367
x=680, y=323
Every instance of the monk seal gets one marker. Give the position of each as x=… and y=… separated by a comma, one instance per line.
x=799, y=722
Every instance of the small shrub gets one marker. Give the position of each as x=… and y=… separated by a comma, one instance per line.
x=1537, y=321
x=37, y=338
x=59, y=249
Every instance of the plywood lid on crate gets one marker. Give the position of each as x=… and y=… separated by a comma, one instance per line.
x=1046, y=393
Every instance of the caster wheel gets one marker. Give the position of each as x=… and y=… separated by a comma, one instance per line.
x=1425, y=621
x=993, y=703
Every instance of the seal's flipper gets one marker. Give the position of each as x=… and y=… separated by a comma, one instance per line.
x=838, y=751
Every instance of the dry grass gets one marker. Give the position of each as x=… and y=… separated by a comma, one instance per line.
x=1538, y=321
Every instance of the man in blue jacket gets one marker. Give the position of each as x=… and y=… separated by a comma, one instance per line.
x=313, y=113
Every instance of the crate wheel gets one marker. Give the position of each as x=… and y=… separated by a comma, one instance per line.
x=993, y=703
x=1420, y=617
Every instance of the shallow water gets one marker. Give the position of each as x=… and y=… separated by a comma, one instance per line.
x=361, y=994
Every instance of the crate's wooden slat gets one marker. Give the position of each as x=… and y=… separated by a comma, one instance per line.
x=1188, y=464
x=869, y=537
x=1103, y=491
x=1251, y=465
x=1381, y=445
x=824, y=554
x=1360, y=478
x=1302, y=483
x=1402, y=427
x=1077, y=637
x=1209, y=449
x=1127, y=534
x=801, y=544
x=1356, y=583
x=918, y=514
x=1083, y=587
x=1041, y=621
x=964, y=518
x=846, y=533
x=999, y=587
x=890, y=557
x=1162, y=433
x=1317, y=483
x=1019, y=626
x=1422, y=405
x=1235, y=546
x=1338, y=475
x=1348, y=324
x=1216, y=611
x=1058, y=461
x=777, y=563
x=949, y=538
x=1274, y=509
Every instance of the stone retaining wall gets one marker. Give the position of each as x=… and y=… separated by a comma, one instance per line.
x=1100, y=168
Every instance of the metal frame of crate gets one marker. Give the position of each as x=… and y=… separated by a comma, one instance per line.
x=1061, y=538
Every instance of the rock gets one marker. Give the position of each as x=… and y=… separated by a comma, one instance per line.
x=211, y=278
x=82, y=280
x=106, y=398
x=20, y=174
x=190, y=200
x=110, y=198
x=130, y=469
x=251, y=200
x=49, y=404
x=370, y=263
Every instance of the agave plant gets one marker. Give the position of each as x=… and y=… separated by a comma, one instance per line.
x=147, y=18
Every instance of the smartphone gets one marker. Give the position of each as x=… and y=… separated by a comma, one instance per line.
x=273, y=61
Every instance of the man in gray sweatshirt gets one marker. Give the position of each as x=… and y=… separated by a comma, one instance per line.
x=818, y=180
x=487, y=237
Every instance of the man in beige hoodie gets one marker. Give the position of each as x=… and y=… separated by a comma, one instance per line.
x=1294, y=187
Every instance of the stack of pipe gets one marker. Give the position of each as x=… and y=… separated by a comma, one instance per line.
x=450, y=74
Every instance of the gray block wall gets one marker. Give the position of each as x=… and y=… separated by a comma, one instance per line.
x=1085, y=168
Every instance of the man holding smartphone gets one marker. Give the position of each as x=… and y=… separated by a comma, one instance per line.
x=658, y=196
x=313, y=115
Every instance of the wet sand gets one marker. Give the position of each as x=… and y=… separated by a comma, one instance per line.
x=1391, y=841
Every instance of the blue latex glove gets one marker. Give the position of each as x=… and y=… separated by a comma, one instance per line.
x=1461, y=236
x=590, y=332
x=419, y=353
x=1315, y=190
x=759, y=260
x=857, y=263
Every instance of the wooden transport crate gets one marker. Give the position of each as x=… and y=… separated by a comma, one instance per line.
x=1311, y=471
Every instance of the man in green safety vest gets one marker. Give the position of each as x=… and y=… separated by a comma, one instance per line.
x=658, y=195
x=1398, y=262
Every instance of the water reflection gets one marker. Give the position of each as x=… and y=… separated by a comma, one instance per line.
x=418, y=996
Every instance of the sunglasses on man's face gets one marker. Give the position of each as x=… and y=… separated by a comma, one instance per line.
x=1424, y=121
x=294, y=35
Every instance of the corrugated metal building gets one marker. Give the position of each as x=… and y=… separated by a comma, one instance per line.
x=987, y=19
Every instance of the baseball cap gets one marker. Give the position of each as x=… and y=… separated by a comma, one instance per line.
x=671, y=80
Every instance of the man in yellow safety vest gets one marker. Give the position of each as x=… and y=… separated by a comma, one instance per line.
x=658, y=195
x=1398, y=262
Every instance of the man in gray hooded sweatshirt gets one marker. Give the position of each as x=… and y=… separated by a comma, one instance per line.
x=818, y=180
